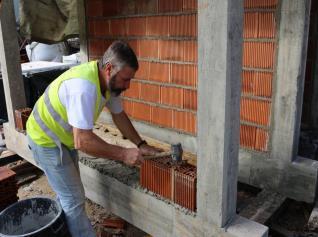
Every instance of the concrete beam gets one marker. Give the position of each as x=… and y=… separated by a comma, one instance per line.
x=143, y=210
x=10, y=61
x=82, y=30
x=289, y=84
x=219, y=74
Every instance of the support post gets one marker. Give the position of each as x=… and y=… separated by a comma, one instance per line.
x=82, y=30
x=220, y=65
x=10, y=61
x=289, y=84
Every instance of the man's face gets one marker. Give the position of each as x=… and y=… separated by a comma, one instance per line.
x=120, y=81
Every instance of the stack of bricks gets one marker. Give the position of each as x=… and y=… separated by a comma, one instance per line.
x=260, y=41
x=163, y=34
x=8, y=187
x=176, y=182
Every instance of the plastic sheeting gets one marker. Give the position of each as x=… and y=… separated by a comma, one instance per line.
x=48, y=21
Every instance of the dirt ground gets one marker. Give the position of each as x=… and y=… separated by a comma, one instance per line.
x=96, y=213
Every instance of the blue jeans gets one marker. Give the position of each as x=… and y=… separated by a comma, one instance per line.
x=64, y=177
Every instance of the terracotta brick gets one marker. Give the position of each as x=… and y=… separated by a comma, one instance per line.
x=110, y=9
x=183, y=74
x=128, y=107
x=150, y=92
x=162, y=116
x=134, y=44
x=90, y=28
x=95, y=47
x=261, y=141
x=184, y=121
x=118, y=27
x=148, y=49
x=263, y=84
x=126, y=7
x=136, y=26
x=190, y=99
x=101, y=27
x=141, y=111
x=143, y=71
x=159, y=72
x=170, y=6
x=247, y=85
x=183, y=25
x=258, y=54
x=171, y=50
x=172, y=96
x=190, y=5
x=190, y=51
x=146, y=6
x=260, y=3
x=133, y=91
x=255, y=111
x=247, y=136
x=158, y=25
x=250, y=28
x=94, y=8
x=267, y=25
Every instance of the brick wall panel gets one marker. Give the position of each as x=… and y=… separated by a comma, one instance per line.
x=94, y=8
x=143, y=71
x=101, y=27
x=263, y=84
x=247, y=136
x=190, y=5
x=134, y=44
x=146, y=6
x=186, y=75
x=172, y=96
x=159, y=72
x=247, y=84
x=190, y=99
x=255, y=111
x=148, y=49
x=126, y=7
x=91, y=28
x=171, y=50
x=258, y=54
x=170, y=6
x=118, y=27
x=158, y=25
x=141, y=111
x=183, y=25
x=267, y=27
x=128, y=106
x=150, y=93
x=260, y=3
x=190, y=51
x=261, y=140
x=110, y=8
x=133, y=91
x=250, y=28
x=136, y=26
x=184, y=121
x=162, y=116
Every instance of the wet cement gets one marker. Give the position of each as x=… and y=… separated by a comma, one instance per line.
x=125, y=174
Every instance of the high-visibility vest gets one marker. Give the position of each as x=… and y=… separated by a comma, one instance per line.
x=48, y=124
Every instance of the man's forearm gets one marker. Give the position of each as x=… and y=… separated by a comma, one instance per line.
x=125, y=126
x=91, y=144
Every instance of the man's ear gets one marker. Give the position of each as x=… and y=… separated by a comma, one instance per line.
x=108, y=69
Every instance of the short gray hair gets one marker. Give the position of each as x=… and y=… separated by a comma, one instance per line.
x=119, y=54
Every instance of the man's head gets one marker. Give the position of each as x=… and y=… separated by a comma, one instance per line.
x=118, y=66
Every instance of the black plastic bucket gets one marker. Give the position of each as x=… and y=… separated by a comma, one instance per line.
x=33, y=217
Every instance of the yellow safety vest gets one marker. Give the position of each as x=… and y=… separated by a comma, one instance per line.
x=48, y=124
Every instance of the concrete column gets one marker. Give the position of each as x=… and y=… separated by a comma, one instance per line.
x=82, y=30
x=289, y=84
x=10, y=61
x=220, y=65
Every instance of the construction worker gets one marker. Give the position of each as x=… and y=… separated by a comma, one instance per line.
x=62, y=122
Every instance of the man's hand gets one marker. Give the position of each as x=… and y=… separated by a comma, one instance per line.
x=133, y=156
x=147, y=150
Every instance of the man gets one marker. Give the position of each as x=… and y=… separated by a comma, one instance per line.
x=62, y=121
